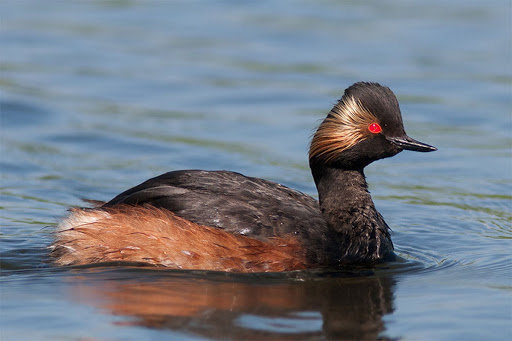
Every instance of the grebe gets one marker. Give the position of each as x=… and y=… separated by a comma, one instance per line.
x=225, y=221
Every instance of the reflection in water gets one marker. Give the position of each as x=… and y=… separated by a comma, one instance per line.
x=332, y=306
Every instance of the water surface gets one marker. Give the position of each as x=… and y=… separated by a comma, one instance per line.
x=97, y=96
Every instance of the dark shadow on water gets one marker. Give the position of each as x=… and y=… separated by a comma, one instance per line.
x=313, y=305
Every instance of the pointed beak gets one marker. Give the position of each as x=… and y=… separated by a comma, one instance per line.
x=405, y=142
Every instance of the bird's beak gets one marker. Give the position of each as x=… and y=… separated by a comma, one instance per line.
x=405, y=142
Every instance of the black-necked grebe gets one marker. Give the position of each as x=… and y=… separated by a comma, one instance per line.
x=220, y=220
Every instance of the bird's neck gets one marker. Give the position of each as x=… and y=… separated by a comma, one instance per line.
x=341, y=191
x=356, y=231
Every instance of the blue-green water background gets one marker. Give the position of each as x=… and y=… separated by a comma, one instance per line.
x=97, y=96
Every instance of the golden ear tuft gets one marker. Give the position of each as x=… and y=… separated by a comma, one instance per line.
x=346, y=125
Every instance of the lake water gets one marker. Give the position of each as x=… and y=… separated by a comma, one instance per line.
x=97, y=96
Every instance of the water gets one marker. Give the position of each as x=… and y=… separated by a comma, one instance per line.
x=97, y=96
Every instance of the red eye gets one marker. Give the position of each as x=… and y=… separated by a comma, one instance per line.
x=374, y=128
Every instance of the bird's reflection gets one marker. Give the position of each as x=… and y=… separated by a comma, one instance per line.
x=332, y=306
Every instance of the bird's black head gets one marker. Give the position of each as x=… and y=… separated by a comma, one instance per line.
x=365, y=125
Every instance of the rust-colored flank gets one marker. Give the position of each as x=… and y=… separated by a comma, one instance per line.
x=157, y=236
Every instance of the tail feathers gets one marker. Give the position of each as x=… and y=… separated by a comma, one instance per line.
x=158, y=237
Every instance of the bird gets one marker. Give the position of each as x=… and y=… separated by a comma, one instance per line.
x=225, y=221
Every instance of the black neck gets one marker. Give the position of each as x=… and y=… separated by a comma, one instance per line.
x=356, y=231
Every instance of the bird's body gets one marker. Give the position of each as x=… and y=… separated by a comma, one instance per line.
x=220, y=220
x=231, y=201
